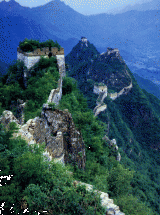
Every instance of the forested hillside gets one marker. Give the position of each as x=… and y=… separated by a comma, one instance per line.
x=132, y=119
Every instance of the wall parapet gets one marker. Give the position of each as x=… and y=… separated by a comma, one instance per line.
x=115, y=95
x=44, y=51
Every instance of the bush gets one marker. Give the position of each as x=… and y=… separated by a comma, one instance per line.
x=42, y=185
x=52, y=105
x=30, y=45
x=68, y=85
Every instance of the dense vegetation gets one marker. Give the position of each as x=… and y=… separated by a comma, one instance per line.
x=132, y=183
x=38, y=184
x=88, y=64
x=102, y=168
x=35, y=88
x=134, y=121
x=30, y=45
x=81, y=54
x=148, y=85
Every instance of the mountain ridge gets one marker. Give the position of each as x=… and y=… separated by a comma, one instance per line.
x=133, y=40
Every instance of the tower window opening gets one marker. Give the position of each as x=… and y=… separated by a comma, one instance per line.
x=50, y=55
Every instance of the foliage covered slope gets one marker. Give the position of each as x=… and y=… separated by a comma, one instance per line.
x=37, y=184
x=133, y=120
x=50, y=189
x=35, y=89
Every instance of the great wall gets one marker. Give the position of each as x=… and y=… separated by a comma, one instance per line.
x=101, y=90
x=32, y=127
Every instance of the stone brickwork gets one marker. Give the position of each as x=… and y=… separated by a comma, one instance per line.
x=30, y=58
x=125, y=90
x=99, y=89
x=61, y=64
x=56, y=94
x=99, y=109
x=113, y=51
x=84, y=41
x=44, y=51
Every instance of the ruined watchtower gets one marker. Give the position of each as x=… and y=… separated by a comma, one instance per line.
x=113, y=51
x=31, y=58
x=84, y=41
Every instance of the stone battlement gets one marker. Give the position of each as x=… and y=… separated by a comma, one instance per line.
x=99, y=89
x=44, y=51
x=112, y=51
x=84, y=39
x=31, y=58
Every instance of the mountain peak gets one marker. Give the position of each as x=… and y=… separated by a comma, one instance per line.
x=12, y=4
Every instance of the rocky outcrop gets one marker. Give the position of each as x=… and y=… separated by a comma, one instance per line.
x=61, y=121
x=106, y=202
x=56, y=129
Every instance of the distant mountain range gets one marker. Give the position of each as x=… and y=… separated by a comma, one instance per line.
x=135, y=33
x=142, y=6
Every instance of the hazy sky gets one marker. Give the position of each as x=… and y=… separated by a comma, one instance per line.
x=86, y=6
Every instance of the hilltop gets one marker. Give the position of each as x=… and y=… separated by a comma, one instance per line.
x=132, y=118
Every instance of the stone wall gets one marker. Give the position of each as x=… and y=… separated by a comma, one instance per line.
x=44, y=51
x=56, y=94
x=99, y=109
x=125, y=90
x=61, y=64
x=84, y=41
x=112, y=51
x=99, y=89
x=113, y=96
x=31, y=58
x=106, y=202
x=113, y=143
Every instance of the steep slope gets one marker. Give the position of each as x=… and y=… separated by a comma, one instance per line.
x=85, y=63
x=132, y=119
x=37, y=184
x=147, y=85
